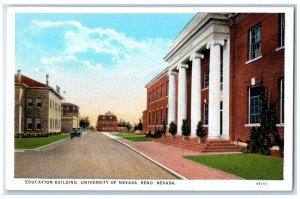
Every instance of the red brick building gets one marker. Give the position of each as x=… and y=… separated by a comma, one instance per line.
x=215, y=71
x=107, y=122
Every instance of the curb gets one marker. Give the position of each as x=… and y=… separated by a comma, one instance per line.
x=152, y=160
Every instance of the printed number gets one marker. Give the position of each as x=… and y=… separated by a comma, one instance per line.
x=261, y=183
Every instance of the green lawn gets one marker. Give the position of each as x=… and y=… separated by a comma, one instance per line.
x=33, y=143
x=248, y=166
x=133, y=137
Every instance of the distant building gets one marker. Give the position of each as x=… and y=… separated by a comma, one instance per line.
x=37, y=106
x=107, y=122
x=69, y=117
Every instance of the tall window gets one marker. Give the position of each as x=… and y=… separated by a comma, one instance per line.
x=282, y=29
x=154, y=96
x=157, y=115
x=166, y=115
x=153, y=114
x=221, y=72
x=162, y=91
x=282, y=100
x=161, y=116
x=206, y=79
x=157, y=93
x=29, y=102
x=38, y=102
x=29, y=124
x=167, y=88
x=255, y=44
x=38, y=125
x=205, y=113
x=149, y=119
x=149, y=97
x=255, y=103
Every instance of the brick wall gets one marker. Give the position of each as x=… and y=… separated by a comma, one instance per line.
x=270, y=68
x=158, y=103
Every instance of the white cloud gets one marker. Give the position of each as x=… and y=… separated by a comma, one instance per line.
x=130, y=58
x=49, y=24
x=58, y=59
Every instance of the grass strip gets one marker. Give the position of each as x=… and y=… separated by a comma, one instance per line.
x=133, y=137
x=248, y=166
x=33, y=143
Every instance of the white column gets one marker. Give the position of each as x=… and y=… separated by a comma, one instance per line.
x=214, y=89
x=226, y=89
x=172, y=97
x=182, y=92
x=196, y=91
x=20, y=120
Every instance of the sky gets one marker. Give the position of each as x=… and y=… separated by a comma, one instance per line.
x=101, y=61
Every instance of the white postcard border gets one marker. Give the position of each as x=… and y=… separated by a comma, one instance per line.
x=181, y=185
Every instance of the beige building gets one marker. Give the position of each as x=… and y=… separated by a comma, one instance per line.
x=37, y=106
x=70, y=117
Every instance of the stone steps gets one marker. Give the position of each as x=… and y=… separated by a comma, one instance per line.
x=211, y=146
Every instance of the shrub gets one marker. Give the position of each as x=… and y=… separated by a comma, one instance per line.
x=200, y=131
x=185, y=128
x=173, y=128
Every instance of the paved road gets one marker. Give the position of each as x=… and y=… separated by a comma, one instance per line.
x=93, y=156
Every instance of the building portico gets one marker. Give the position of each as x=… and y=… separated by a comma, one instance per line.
x=190, y=49
x=216, y=69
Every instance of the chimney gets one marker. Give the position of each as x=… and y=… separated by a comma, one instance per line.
x=47, y=79
x=19, y=76
x=57, y=89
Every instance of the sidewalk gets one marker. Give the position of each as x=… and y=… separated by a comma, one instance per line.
x=172, y=157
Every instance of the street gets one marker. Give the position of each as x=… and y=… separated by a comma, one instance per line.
x=93, y=156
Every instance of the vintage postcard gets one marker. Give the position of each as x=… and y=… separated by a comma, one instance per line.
x=149, y=98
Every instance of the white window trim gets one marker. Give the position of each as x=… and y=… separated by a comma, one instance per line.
x=28, y=103
x=249, y=124
x=249, y=56
x=37, y=103
x=279, y=48
x=29, y=123
x=252, y=60
x=36, y=128
x=252, y=124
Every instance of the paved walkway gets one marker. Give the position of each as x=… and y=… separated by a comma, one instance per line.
x=93, y=156
x=172, y=157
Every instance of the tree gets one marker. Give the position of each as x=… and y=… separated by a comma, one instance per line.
x=84, y=122
x=260, y=137
x=139, y=126
x=200, y=131
x=185, y=128
x=173, y=128
x=123, y=123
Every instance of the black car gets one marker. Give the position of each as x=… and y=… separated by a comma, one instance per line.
x=77, y=132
